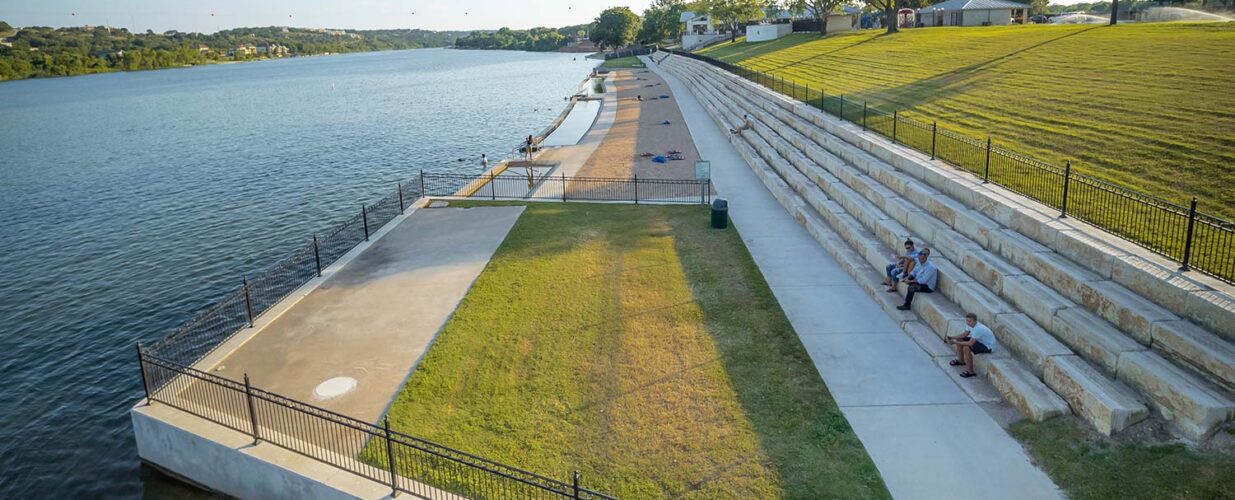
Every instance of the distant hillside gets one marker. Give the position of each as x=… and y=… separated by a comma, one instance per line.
x=42, y=52
x=535, y=39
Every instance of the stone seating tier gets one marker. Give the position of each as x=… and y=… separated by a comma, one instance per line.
x=873, y=209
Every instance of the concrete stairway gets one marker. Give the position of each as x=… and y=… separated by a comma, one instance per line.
x=1091, y=340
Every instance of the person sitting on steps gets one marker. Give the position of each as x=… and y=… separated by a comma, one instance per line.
x=746, y=125
x=922, y=279
x=901, y=265
x=978, y=339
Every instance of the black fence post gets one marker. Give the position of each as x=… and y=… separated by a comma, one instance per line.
x=842, y=107
x=493, y=181
x=822, y=97
x=709, y=191
x=248, y=300
x=563, y=187
x=863, y=115
x=248, y=397
x=1067, y=178
x=986, y=176
x=400, y=186
x=636, y=190
x=141, y=363
x=934, y=129
x=574, y=481
x=895, y=119
x=806, y=91
x=364, y=216
x=1187, y=240
x=390, y=458
x=422, y=183
x=317, y=257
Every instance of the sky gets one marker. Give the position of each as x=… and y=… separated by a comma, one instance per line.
x=208, y=16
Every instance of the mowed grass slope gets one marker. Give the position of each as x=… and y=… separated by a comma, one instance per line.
x=644, y=349
x=1147, y=106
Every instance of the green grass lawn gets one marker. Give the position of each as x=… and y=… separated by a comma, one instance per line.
x=1148, y=106
x=623, y=62
x=1089, y=466
x=642, y=348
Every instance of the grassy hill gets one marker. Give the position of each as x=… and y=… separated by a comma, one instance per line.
x=1147, y=106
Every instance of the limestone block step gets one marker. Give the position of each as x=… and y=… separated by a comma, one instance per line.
x=989, y=269
x=1200, y=348
x=1019, y=334
x=1196, y=408
x=1092, y=338
x=1107, y=404
x=1036, y=300
x=1023, y=390
x=975, y=298
x=1130, y=312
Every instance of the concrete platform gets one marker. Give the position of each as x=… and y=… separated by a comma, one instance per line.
x=374, y=319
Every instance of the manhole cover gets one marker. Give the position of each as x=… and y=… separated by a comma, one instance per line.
x=334, y=388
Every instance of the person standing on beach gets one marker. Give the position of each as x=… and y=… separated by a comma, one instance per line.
x=530, y=144
x=484, y=161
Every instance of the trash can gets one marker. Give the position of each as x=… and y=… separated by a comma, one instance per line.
x=720, y=213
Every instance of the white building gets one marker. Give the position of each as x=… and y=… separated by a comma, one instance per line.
x=974, y=13
x=699, y=30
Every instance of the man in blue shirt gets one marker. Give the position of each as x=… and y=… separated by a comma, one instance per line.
x=922, y=278
x=978, y=339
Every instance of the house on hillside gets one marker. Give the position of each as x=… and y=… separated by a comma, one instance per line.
x=699, y=30
x=974, y=13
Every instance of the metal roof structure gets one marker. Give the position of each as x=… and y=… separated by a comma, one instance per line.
x=974, y=5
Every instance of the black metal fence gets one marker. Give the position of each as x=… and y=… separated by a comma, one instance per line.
x=404, y=463
x=418, y=466
x=520, y=183
x=1179, y=232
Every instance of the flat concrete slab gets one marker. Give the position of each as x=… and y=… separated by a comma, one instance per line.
x=373, y=320
x=928, y=437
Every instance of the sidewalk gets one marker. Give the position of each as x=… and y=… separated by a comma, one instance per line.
x=927, y=436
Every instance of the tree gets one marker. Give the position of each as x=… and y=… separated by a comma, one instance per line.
x=819, y=9
x=734, y=13
x=660, y=21
x=615, y=27
x=772, y=8
x=4, y=27
x=889, y=12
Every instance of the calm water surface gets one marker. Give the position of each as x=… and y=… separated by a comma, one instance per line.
x=130, y=200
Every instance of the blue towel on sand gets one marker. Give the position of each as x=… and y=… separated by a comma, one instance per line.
x=664, y=97
x=666, y=122
x=659, y=159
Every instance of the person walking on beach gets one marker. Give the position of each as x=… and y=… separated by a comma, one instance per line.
x=531, y=143
x=484, y=161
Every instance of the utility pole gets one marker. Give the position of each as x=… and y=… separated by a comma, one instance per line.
x=1114, y=12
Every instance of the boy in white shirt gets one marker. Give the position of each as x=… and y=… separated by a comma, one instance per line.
x=978, y=339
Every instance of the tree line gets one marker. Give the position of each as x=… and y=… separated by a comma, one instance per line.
x=34, y=52
x=535, y=39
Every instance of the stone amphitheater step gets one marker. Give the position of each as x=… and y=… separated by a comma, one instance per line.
x=990, y=271
x=1114, y=302
x=1206, y=301
x=1027, y=393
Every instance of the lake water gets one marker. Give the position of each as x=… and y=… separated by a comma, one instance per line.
x=130, y=200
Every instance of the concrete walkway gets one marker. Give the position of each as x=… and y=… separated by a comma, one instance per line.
x=374, y=319
x=928, y=437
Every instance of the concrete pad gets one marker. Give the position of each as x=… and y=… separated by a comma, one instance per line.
x=815, y=310
x=801, y=261
x=863, y=369
x=946, y=451
x=373, y=319
x=979, y=389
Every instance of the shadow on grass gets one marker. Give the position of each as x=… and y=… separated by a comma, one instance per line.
x=800, y=428
x=947, y=84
